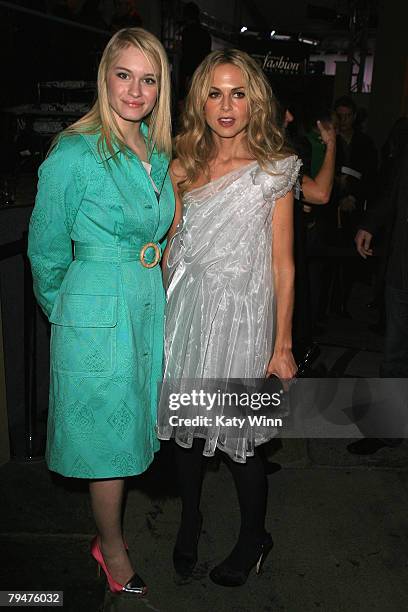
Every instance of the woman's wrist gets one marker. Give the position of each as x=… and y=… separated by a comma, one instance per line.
x=281, y=349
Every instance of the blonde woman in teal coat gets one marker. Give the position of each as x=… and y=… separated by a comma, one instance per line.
x=103, y=208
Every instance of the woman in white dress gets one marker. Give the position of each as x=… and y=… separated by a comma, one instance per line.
x=230, y=289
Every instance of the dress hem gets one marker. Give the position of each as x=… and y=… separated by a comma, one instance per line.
x=108, y=477
x=218, y=446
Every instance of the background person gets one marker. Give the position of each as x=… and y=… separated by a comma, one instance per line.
x=391, y=211
x=356, y=174
x=195, y=45
x=315, y=186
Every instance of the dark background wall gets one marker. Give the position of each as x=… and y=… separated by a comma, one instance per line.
x=36, y=48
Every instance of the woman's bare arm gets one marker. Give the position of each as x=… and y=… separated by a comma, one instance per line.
x=282, y=363
x=318, y=190
x=176, y=175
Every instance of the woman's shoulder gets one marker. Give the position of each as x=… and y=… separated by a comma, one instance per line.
x=278, y=176
x=177, y=170
x=284, y=165
x=69, y=156
x=177, y=174
x=68, y=148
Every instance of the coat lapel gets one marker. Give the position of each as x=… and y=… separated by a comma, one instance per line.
x=139, y=201
x=159, y=161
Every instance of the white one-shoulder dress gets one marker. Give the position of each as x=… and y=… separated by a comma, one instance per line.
x=219, y=322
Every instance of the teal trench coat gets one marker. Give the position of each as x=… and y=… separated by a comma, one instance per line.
x=91, y=219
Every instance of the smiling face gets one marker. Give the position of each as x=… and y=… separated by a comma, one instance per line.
x=226, y=109
x=132, y=87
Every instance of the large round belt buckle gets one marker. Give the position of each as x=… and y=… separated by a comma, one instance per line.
x=157, y=255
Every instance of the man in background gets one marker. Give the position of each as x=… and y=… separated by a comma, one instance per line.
x=356, y=169
x=391, y=209
x=195, y=45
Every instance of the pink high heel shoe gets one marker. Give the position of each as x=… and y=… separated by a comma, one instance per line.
x=135, y=585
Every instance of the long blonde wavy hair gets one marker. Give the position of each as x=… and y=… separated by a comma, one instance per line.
x=101, y=119
x=194, y=145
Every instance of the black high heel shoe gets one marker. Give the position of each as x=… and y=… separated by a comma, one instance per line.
x=226, y=575
x=185, y=562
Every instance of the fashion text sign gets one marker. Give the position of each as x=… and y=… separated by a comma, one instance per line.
x=280, y=63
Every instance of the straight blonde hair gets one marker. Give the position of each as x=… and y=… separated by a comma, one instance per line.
x=101, y=117
x=194, y=145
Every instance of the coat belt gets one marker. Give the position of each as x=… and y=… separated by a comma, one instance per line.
x=148, y=254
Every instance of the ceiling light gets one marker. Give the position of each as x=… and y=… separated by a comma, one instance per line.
x=308, y=41
x=282, y=37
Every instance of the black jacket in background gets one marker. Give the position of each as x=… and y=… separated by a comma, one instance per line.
x=361, y=155
x=391, y=208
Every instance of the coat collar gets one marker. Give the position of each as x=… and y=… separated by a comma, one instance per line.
x=99, y=155
x=159, y=161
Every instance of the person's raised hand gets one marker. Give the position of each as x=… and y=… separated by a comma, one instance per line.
x=327, y=132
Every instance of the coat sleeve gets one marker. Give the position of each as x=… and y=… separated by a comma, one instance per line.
x=63, y=179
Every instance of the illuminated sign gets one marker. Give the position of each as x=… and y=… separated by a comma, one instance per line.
x=282, y=64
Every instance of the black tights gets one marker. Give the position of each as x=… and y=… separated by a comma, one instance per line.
x=252, y=490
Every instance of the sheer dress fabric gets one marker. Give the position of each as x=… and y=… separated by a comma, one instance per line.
x=220, y=314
